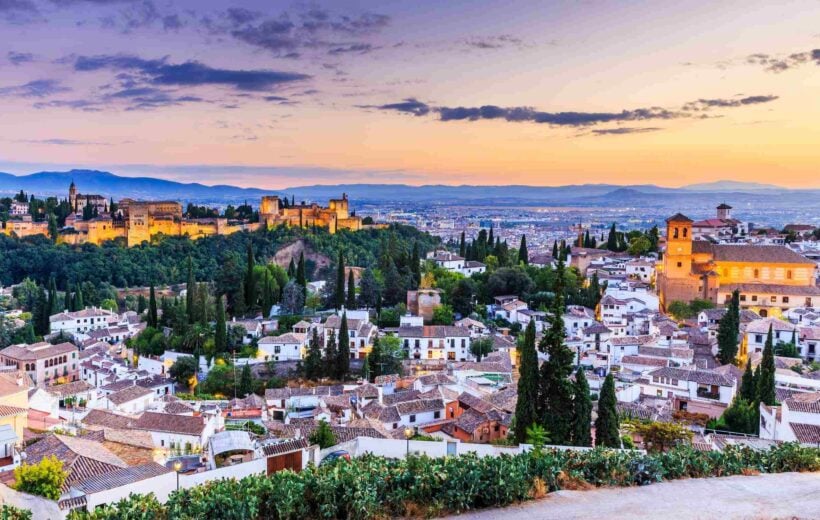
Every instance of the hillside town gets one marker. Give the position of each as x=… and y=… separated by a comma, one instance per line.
x=700, y=334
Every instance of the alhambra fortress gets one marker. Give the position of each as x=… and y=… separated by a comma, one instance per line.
x=137, y=221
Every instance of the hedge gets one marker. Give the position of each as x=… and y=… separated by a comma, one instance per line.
x=374, y=487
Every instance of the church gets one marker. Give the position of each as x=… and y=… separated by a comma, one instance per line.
x=771, y=279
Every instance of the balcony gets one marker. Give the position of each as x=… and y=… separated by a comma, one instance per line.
x=705, y=393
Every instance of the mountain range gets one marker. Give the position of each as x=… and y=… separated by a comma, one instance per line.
x=111, y=185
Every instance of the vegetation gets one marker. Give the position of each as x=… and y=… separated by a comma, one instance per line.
x=728, y=330
x=323, y=435
x=607, y=425
x=8, y=512
x=684, y=311
x=660, y=436
x=374, y=487
x=45, y=479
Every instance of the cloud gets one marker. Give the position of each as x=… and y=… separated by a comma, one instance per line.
x=288, y=34
x=572, y=119
x=781, y=63
x=190, y=73
x=355, y=48
x=707, y=104
x=63, y=142
x=493, y=42
x=84, y=105
x=38, y=89
x=18, y=58
x=17, y=6
x=409, y=106
x=624, y=130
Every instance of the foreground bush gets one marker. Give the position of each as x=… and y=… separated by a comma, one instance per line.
x=375, y=487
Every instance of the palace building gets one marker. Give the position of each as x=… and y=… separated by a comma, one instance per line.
x=770, y=278
x=138, y=221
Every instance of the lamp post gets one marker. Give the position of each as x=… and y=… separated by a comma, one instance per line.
x=177, y=467
x=408, y=432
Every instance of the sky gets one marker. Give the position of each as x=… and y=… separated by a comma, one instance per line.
x=276, y=94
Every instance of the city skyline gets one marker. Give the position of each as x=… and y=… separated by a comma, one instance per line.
x=463, y=93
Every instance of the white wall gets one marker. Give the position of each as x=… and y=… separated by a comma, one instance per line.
x=41, y=508
x=161, y=486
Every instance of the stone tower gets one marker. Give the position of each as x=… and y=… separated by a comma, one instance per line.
x=724, y=211
x=72, y=196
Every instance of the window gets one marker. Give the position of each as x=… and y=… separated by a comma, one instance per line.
x=754, y=297
x=412, y=418
x=395, y=425
x=675, y=233
x=743, y=297
x=680, y=264
x=437, y=414
x=773, y=299
x=789, y=274
x=785, y=299
x=758, y=338
x=756, y=273
x=685, y=231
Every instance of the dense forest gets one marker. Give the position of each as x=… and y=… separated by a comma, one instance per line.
x=164, y=260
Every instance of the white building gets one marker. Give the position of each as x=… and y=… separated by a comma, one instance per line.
x=693, y=390
x=436, y=342
x=798, y=420
x=286, y=347
x=758, y=330
x=83, y=321
x=455, y=263
x=641, y=269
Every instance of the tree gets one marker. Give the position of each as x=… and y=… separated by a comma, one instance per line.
x=462, y=296
x=556, y=392
x=480, y=347
x=221, y=332
x=51, y=303
x=40, y=314
x=612, y=239
x=245, y=381
x=340, y=281
x=660, y=436
x=765, y=385
x=523, y=254
x=152, y=308
x=538, y=437
x=748, y=391
x=369, y=288
x=183, y=369
x=45, y=479
x=639, y=246
x=728, y=329
x=293, y=298
x=331, y=354
x=301, y=275
x=525, y=408
x=313, y=360
x=350, y=302
x=250, y=280
x=581, y=410
x=462, y=245
x=343, y=354
x=53, y=230
x=323, y=435
x=190, y=289
x=142, y=304
x=741, y=417
x=606, y=425
x=443, y=315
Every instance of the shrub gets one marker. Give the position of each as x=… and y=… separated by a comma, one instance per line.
x=44, y=479
x=8, y=512
x=372, y=487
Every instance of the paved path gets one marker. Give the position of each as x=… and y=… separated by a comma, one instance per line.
x=783, y=496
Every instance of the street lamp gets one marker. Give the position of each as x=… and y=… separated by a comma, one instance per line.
x=177, y=467
x=408, y=432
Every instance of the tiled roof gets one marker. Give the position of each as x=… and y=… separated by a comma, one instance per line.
x=762, y=325
x=436, y=379
x=121, y=477
x=643, y=360
x=706, y=377
x=398, y=397
x=75, y=387
x=434, y=331
x=129, y=394
x=37, y=351
x=804, y=403
x=85, y=313
x=419, y=406
x=8, y=411
x=289, y=338
x=106, y=419
x=806, y=433
x=280, y=448
x=164, y=422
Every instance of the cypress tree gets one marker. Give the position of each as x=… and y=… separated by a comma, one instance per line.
x=52, y=296
x=142, y=304
x=555, y=393
x=250, y=280
x=313, y=359
x=415, y=266
x=245, y=381
x=221, y=332
x=490, y=238
x=340, y=281
x=523, y=254
x=525, y=408
x=728, y=329
x=152, y=308
x=765, y=385
x=291, y=269
x=53, y=231
x=606, y=425
x=581, y=410
x=350, y=302
x=555, y=250
x=301, y=275
x=78, y=299
x=747, y=386
x=40, y=314
x=612, y=239
x=462, y=246
x=374, y=360
x=190, y=289
x=343, y=354
x=331, y=355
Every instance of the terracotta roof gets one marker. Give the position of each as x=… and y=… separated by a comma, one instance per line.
x=770, y=288
x=806, y=433
x=8, y=411
x=434, y=331
x=164, y=422
x=72, y=388
x=121, y=477
x=679, y=217
x=289, y=338
x=280, y=448
x=749, y=253
x=642, y=360
x=129, y=394
x=104, y=418
x=36, y=351
x=706, y=377
x=804, y=403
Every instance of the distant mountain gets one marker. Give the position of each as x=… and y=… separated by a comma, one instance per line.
x=600, y=195
x=731, y=186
